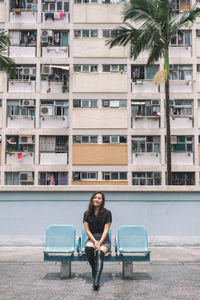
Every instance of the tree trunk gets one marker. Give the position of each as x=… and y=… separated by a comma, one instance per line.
x=168, y=133
x=167, y=111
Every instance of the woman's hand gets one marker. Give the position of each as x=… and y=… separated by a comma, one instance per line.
x=97, y=245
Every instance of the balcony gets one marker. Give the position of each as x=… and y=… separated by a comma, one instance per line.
x=21, y=121
x=144, y=86
x=21, y=86
x=54, y=79
x=53, y=158
x=182, y=159
x=181, y=86
x=180, y=51
x=146, y=158
x=146, y=122
x=181, y=121
x=51, y=18
x=26, y=158
x=22, y=51
x=53, y=51
x=23, y=12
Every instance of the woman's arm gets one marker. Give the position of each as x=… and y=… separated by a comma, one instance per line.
x=105, y=233
x=88, y=232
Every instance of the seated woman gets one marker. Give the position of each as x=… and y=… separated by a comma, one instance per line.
x=97, y=221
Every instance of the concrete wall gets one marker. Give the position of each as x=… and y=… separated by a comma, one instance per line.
x=99, y=118
x=170, y=217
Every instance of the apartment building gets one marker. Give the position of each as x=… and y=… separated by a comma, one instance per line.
x=78, y=113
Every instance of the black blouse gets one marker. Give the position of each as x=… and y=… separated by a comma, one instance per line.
x=98, y=226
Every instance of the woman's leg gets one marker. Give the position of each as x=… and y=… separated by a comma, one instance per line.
x=99, y=265
x=89, y=250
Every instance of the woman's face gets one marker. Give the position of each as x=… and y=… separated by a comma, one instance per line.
x=97, y=200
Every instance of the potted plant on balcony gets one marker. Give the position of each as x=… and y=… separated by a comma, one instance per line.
x=155, y=113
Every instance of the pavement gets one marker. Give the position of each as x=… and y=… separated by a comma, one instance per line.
x=172, y=274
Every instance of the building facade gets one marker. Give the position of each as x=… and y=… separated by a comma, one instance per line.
x=80, y=114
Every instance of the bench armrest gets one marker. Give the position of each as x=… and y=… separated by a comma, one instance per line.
x=78, y=247
x=116, y=245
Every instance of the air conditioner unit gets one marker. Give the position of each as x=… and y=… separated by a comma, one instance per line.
x=173, y=139
x=44, y=32
x=47, y=110
x=28, y=102
x=26, y=71
x=26, y=176
x=25, y=140
x=46, y=69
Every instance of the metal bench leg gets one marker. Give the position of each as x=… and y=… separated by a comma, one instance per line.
x=65, y=269
x=127, y=268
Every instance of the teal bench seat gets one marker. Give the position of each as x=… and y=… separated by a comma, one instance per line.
x=131, y=244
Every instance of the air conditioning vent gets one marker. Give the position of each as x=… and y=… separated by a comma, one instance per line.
x=28, y=103
x=26, y=71
x=25, y=140
x=47, y=110
x=26, y=176
x=44, y=32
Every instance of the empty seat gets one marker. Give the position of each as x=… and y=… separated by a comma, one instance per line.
x=60, y=239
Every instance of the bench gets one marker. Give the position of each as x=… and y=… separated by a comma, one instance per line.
x=131, y=244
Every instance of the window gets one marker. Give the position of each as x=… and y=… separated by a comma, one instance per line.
x=53, y=178
x=146, y=144
x=114, y=103
x=182, y=37
x=114, y=68
x=180, y=107
x=85, y=68
x=143, y=72
x=181, y=72
x=54, y=144
x=198, y=31
x=85, y=103
x=85, y=139
x=54, y=38
x=56, y=6
x=183, y=178
x=21, y=108
x=22, y=143
x=86, y=33
x=182, y=143
x=77, y=176
x=114, y=139
x=145, y=107
x=146, y=178
x=24, y=73
x=53, y=108
x=106, y=33
x=19, y=178
x=181, y=4
x=85, y=1
x=23, y=38
x=114, y=175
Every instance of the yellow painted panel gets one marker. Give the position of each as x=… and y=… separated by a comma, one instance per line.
x=100, y=118
x=99, y=154
x=95, y=47
x=97, y=13
x=2, y=12
x=100, y=182
x=100, y=82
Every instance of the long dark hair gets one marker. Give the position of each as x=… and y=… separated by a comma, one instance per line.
x=91, y=212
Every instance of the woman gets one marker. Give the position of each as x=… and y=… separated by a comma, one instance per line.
x=97, y=221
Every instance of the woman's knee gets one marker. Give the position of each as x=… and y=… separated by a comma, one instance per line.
x=104, y=249
x=89, y=244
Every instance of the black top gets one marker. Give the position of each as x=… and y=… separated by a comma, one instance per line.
x=98, y=226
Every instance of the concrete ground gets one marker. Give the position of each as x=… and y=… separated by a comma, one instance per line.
x=173, y=273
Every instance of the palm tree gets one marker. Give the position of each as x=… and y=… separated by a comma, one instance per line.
x=153, y=23
x=6, y=64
